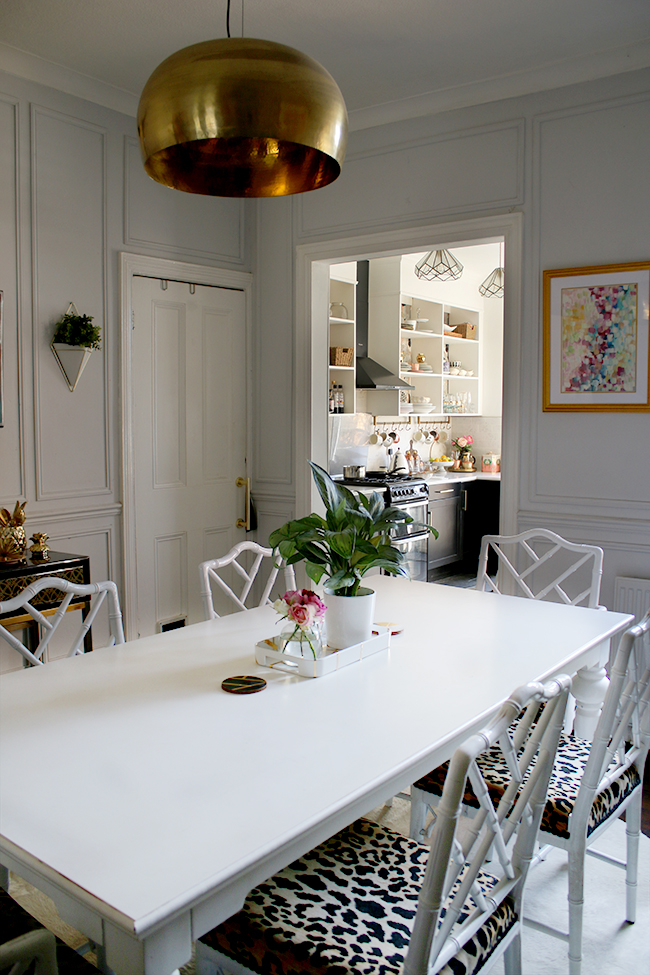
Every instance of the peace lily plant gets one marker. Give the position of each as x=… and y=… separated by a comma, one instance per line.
x=352, y=538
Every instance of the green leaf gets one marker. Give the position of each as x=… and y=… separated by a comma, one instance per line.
x=315, y=572
x=343, y=542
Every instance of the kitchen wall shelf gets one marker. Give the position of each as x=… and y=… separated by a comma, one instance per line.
x=343, y=331
x=393, y=300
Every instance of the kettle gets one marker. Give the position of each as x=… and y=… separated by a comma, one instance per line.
x=399, y=465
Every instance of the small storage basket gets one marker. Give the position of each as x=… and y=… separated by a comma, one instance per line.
x=340, y=356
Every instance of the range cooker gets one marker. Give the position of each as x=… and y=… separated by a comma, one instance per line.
x=410, y=494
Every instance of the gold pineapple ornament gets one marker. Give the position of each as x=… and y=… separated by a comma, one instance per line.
x=13, y=538
x=40, y=549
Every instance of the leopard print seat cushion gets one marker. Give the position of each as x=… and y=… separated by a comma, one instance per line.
x=572, y=755
x=347, y=906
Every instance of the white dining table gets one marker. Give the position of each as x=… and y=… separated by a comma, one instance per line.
x=147, y=802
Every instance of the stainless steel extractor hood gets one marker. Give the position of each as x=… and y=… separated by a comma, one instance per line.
x=370, y=374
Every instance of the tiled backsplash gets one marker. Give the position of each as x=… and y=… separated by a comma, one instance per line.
x=349, y=438
x=486, y=431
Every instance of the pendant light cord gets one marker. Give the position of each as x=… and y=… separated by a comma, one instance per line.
x=228, y=18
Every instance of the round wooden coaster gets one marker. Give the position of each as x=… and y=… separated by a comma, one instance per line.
x=246, y=684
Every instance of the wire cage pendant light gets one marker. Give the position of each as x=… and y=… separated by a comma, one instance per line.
x=494, y=284
x=439, y=264
x=242, y=117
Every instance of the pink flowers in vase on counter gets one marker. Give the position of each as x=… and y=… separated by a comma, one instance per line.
x=305, y=612
x=463, y=444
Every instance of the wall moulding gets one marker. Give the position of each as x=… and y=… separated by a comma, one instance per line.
x=490, y=159
x=143, y=216
x=623, y=535
x=59, y=516
x=14, y=408
x=69, y=190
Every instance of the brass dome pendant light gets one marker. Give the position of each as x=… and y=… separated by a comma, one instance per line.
x=242, y=117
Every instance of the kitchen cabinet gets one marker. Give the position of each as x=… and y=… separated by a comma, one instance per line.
x=411, y=333
x=480, y=517
x=342, y=329
x=445, y=501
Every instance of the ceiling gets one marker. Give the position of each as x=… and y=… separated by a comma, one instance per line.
x=392, y=59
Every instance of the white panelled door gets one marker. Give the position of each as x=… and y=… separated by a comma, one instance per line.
x=189, y=419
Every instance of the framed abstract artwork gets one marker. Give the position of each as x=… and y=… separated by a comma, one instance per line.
x=596, y=344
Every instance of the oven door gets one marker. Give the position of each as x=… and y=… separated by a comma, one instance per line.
x=414, y=548
x=418, y=512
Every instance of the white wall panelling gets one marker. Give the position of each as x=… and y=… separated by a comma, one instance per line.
x=64, y=208
x=589, y=210
x=458, y=172
x=99, y=542
x=69, y=247
x=273, y=346
x=12, y=475
x=185, y=225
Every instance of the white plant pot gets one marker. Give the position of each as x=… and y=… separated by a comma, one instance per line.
x=72, y=361
x=349, y=619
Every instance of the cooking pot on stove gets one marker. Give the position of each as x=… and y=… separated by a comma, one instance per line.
x=354, y=470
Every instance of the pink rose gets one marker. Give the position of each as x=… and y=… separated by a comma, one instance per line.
x=470, y=440
x=302, y=606
x=462, y=441
x=302, y=615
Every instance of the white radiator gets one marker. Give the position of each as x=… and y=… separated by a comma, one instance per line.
x=631, y=596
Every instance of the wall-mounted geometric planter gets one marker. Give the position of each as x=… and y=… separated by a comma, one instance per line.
x=72, y=360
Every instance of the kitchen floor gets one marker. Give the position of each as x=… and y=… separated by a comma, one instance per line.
x=461, y=580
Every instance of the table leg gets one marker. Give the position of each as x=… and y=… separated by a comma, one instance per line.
x=589, y=687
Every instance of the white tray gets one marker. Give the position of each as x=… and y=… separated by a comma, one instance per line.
x=268, y=655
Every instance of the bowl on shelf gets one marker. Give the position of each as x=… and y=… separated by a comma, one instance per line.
x=406, y=407
x=424, y=407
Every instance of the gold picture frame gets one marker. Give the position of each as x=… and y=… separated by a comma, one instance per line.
x=596, y=339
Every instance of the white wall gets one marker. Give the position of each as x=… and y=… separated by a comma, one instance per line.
x=576, y=163
x=73, y=194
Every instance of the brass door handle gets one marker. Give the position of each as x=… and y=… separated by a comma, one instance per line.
x=245, y=522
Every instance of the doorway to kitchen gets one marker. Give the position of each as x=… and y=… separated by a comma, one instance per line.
x=312, y=349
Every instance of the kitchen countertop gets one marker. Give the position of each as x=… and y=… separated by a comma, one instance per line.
x=437, y=478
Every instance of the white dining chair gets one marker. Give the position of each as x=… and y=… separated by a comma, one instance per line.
x=372, y=900
x=48, y=589
x=210, y=572
x=35, y=947
x=539, y=564
x=592, y=785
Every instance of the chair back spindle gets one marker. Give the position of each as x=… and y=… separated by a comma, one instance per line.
x=210, y=572
x=539, y=564
x=94, y=592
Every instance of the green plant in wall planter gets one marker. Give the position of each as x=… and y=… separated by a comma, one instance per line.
x=75, y=337
x=339, y=549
